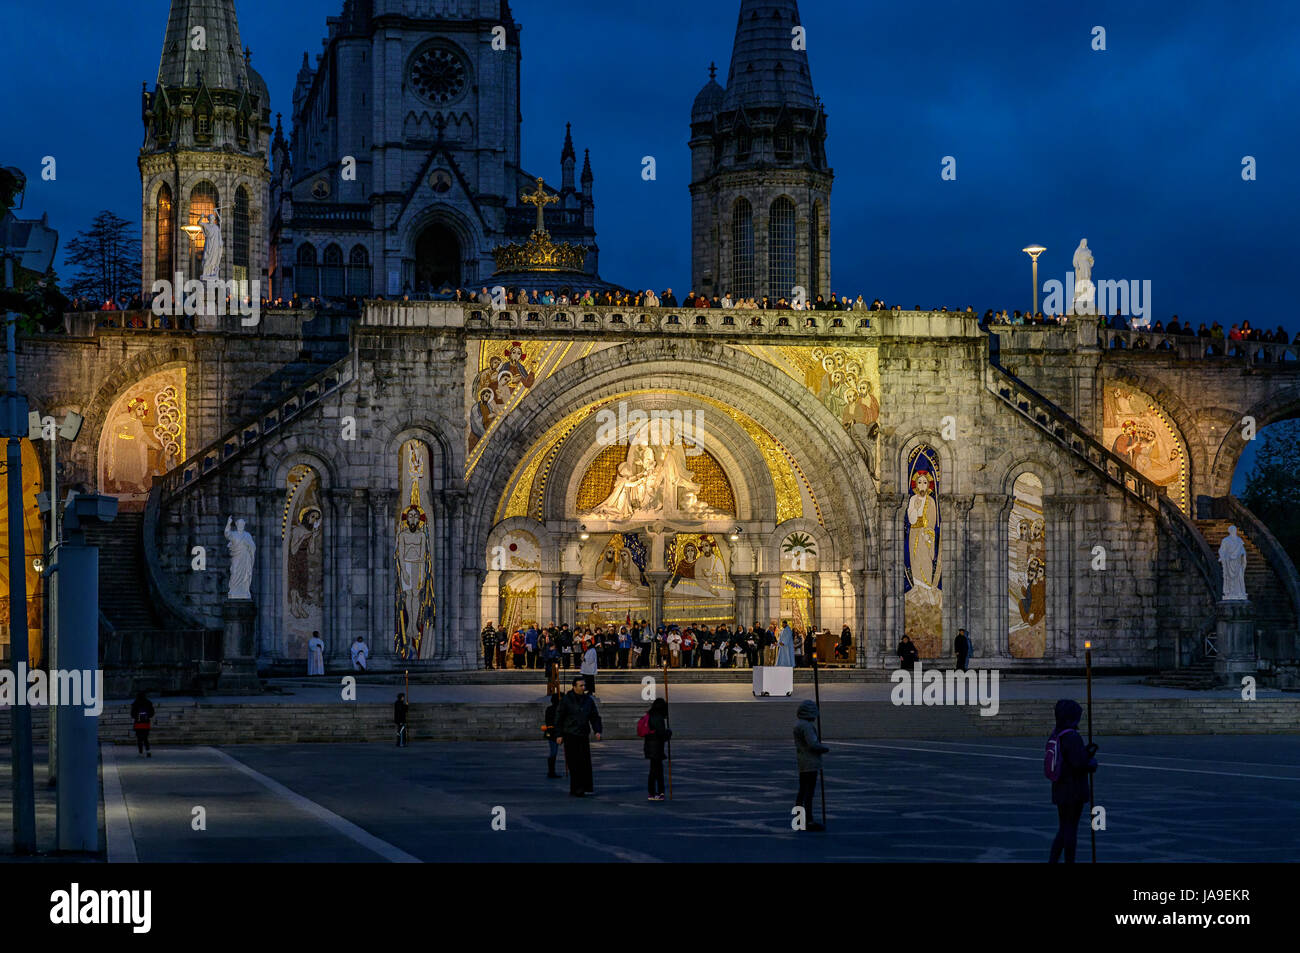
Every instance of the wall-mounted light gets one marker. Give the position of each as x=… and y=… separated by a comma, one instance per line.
x=583, y=534
x=38, y=565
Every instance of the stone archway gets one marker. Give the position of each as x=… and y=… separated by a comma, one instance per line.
x=438, y=258
x=822, y=456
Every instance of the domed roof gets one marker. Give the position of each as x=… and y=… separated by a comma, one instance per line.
x=707, y=102
x=257, y=87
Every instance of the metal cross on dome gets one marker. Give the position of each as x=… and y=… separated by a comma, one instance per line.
x=541, y=200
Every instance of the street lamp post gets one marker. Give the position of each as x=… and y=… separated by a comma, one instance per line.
x=1033, y=251
x=69, y=430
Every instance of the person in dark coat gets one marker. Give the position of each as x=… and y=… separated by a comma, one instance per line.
x=576, y=718
x=489, y=639
x=809, y=750
x=400, y=708
x=655, y=744
x=1070, y=791
x=142, y=718
x=551, y=731
x=846, y=642
x=907, y=652
x=961, y=648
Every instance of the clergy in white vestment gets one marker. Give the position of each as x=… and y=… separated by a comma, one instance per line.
x=360, y=654
x=315, y=655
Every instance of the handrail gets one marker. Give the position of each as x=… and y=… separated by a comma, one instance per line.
x=1279, y=560
x=1182, y=528
x=216, y=455
x=158, y=589
x=1072, y=435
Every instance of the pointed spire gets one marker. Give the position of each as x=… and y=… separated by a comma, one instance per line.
x=766, y=70
x=568, y=152
x=586, y=170
x=217, y=57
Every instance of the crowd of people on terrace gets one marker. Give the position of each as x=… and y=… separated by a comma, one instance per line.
x=1213, y=332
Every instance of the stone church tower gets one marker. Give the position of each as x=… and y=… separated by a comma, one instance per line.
x=206, y=146
x=402, y=171
x=760, y=183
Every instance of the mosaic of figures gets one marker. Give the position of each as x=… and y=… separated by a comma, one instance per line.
x=922, y=562
x=414, y=604
x=144, y=437
x=1027, y=570
x=301, y=530
x=1138, y=431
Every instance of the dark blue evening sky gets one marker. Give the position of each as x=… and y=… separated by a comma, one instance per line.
x=1138, y=148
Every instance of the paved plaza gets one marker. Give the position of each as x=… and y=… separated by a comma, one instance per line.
x=1192, y=798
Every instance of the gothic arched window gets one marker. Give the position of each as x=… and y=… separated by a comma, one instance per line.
x=307, y=275
x=742, y=250
x=781, y=246
x=332, y=272
x=204, y=200
x=239, y=254
x=815, y=251
x=164, y=235
x=358, y=271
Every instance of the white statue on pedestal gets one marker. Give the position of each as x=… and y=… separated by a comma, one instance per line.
x=1085, y=294
x=242, y=550
x=211, y=225
x=1232, y=556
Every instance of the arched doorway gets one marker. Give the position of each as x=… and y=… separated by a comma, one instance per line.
x=437, y=259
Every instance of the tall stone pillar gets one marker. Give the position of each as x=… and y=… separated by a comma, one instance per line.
x=657, y=579
x=569, y=582
x=769, y=598
x=744, y=584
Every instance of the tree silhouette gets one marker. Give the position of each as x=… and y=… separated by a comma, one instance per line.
x=107, y=259
x=1272, y=492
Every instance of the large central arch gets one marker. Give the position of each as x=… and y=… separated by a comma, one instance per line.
x=740, y=396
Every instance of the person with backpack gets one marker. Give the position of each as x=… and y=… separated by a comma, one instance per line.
x=653, y=727
x=550, y=731
x=1067, y=763
x=575, y=719
x=809, y=750
x=400, y=708
x=142, y=718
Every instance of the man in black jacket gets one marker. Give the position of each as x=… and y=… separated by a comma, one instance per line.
x=489, y=638
x=907, y=653
x=961, y=648
x=1070, y=790
x=576, y=718
x=400, y=709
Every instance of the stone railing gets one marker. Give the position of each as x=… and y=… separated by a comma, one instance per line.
x=1193, y=541
x=1070, y=434
x=125, y=647
x=1188, y=347
x=171, y=608
x=1278, y=558
x=570, y=319
x=268, y=423
x=86, y=324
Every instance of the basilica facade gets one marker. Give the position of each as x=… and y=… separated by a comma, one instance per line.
x=415, y=469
